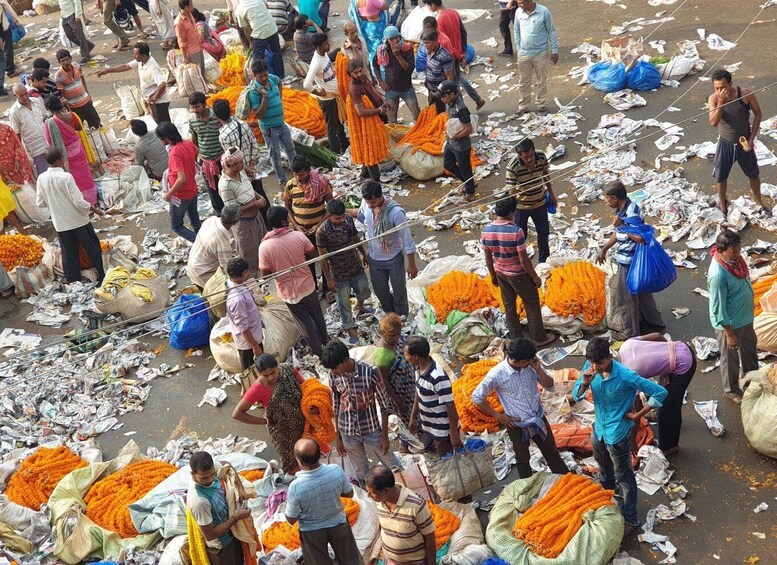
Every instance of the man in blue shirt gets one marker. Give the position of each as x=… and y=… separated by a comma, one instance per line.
x=314, y=502
x=537, y=45
x=440, y=66
x=614, y=389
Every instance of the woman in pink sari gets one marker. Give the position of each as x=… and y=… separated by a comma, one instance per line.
x=61, y=131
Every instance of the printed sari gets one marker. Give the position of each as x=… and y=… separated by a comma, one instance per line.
x=285, y=420
x=14, y=161
x=66, y=137
x=371, y=32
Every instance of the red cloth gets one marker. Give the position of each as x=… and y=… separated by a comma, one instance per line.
x=183, y=158
x=738, y=269
x=449, y=23
x=257, y=393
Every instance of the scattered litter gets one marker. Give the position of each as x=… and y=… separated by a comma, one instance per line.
x=761, y=508
x=716, y=42
x=708, y=410
x=653, y=470
x=705, y=347
x=213, y=396
x=680, y=312
x=490, y=42
x=624, y=99
x=759, y=535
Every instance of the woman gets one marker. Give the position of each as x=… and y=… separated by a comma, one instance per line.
x=62, y=131
x=277, y=389
x=370, y=16
x=15, y=165
x=235, y=186
x=163, y=20
x=180, y=185
x=8, y=207
x=398, y=374
x=209, y=38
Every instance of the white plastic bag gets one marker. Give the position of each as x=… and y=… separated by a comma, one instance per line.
x=413, y=25
x=66, y=43
x=189, y=80
x=132, y=105
x=212, y=69
x=421, y=165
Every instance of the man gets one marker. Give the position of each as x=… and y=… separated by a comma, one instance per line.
x=150, y=152
x=456, y=154
x=213, y=246
x=321, y=80
x=206, y=499
x=528, y=177
x=188, y=38
x=245, y=321
x=236, y=133
x=303, y=38
x=434, y=412
x=393, y=66
x=257, y=23
x=343, y=271
x=729, y=111
x=71, y=12
x=449, y=22
x=265, y=100
x=204, y=130
x=57, y=191
x=515, y=382
x=26, y=117
x=362, y=86
x=731, y=311
x=108, y=8
x=41, y=86
x=614, y=388
x=153, y=86
x=71, y=84
x=439, y=67
x=537, y=44
x=406, y=524
x=356, y=386
x=633, y=308
x=507, y=10
x=182, y=190
x=314, y=503
x=281, y=11
x=281, y=250
x=387, y=253
x=354, y=46
x=504, y=247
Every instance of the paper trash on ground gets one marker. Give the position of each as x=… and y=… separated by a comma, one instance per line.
x=708, y=410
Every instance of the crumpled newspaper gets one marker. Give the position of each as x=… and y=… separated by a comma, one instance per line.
x=213, y=396
x=653, y=470
x=624, y=99
x=708, y=409
x=706, y=347
x=178, y=451
x=716, y=42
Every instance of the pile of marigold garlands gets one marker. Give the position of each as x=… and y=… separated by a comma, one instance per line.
x=252, y=475
x=445, y=524
x=457, y=290
x=369, y=143
x=232, y=70
x=577, y=288
x=283, y=533
x=20, y=250
x=107, y=499
x=761, y=287
x=35, y=479
x=548, y=526
x=319, y=424
x=428, y=134
x=302, y=111
x=471, y=418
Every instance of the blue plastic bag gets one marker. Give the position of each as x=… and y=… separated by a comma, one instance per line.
x=470, y=53
x=189, y=323
x=606, y=77
x=643, y=76
x=18, y=31
x=651, y=268
x=420, y=59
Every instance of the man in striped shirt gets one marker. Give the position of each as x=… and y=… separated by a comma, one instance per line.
x=511, y=270
x=527, y=176
x=406, y=524
x=204, y=129
x=433, y=408
x=632, y=308
x=72, y=87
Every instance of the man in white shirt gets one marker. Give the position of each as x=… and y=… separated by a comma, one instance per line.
x=257, y=22
x=213, y=245
x=57, y=191
x=153, y=85
x=321, y=81
x=70, y=18
x=26, y=117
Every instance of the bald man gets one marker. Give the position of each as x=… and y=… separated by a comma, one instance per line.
x=26, y=117
x=314, y=502
x=355, y=48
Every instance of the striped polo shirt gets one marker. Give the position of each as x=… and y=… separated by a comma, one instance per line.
x=403, y=527
x=307, y=215
x=624, y=252
x=504, y=239
x=434, y=394
x=72, y=87
x=527, y=184
x=207, y=136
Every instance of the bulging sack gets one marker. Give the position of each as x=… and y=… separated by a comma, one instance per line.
x=759, y=411
x=606, y=76
x=189, y=323
x=643, y=76
x=421, y=165
x=131, y=101
x=651, y=268
x=189, y=80
x=462, y=474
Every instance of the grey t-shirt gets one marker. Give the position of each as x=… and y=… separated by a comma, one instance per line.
x=151, y=152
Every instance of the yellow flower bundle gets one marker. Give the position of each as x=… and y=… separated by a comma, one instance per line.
x=457, y=290
x=428, y=132
x=232, y=70
x=548, y=526
x=283, y=533
x=230, y=94
x=577, y=288
x=252, y=475
x=16, y=250
x=107, y=500
x=369, y=142
x=471, y=418
x=445, y=524
x=35, y=479
x=302, y=111
x=761, y=287
x=319, y=426
x=341, y=70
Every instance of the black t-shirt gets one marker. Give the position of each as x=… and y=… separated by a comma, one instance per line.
x=396, y=77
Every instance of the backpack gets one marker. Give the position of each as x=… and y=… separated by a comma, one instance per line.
x=243, y=105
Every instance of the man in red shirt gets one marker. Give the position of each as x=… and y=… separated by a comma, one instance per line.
x=180, y=185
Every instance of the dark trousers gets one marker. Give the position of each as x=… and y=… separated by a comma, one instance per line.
x=338, y=142
x=457, y=162
x=315, y=551
x=256, y=184
x=230, y=555
x=74, y=31
x=69, y=240
x=539, y=217
x=246, y=358
x=88, y=114
x=523, y=286
x=323, y=13
x=310, y=319
x=10, y=64
x=547, y=448
x=312, y=239
x=392, y=271
x=615, y=470
x=506, y=17
x=161, y=112
x=177, y=213
x=670, y=415
x=272, y=44
x=371, y=172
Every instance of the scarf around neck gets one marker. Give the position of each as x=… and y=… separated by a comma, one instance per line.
x=315, y=187
x=381, y=224
x=738, y=268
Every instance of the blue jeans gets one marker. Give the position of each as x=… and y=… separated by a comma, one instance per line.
x=275, y=137
x=177, y=213
x=615, y=467
x=391, y=271
x=392, y=101
x=458, y=163
x=357, y=453
x=361, y=289
x=467, y=87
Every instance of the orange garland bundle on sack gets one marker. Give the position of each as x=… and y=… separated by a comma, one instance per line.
x=428, y=132
x=577, y=288
x=320, y=425
x=232, y=70
x=457, y=290
x=761, y=287
x=548, y=526
x=302, y=111
x=470, y=416
x=369, y=142
x=283, y=533
x=252, y=475
x=341, y=70
x=19, y=250
x=107, y=499
x=83, y=259
x=35, y=479
x=445, y=524
x=230, y=94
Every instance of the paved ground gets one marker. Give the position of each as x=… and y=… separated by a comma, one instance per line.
x=726, y=478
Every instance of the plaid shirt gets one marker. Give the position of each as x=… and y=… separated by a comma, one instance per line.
x=354, y=400
x=239, y=134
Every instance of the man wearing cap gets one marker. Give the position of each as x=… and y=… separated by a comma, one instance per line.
x=393, y=66
x=458, y=146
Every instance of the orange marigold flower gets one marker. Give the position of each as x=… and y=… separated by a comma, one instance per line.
x=35, y=479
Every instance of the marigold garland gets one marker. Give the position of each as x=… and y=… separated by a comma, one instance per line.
x=548, y=526
x=283, y=533
x=428, y=132
x=252, y=475
x=369, y=142
x=230, y=94
x=341, y=70
x=318, y=426
x=232, y=70
x=445, y=524
x=107, y=500
x=761, y=287
x=457, y=290
x=16, y=250
x=35, y=479
x=471, y=418
x=577, y=288
x=302, y=111
x=85, y=262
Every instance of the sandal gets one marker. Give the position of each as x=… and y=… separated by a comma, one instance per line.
x=480, y=103
x=549, y=338
x=124, y=46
